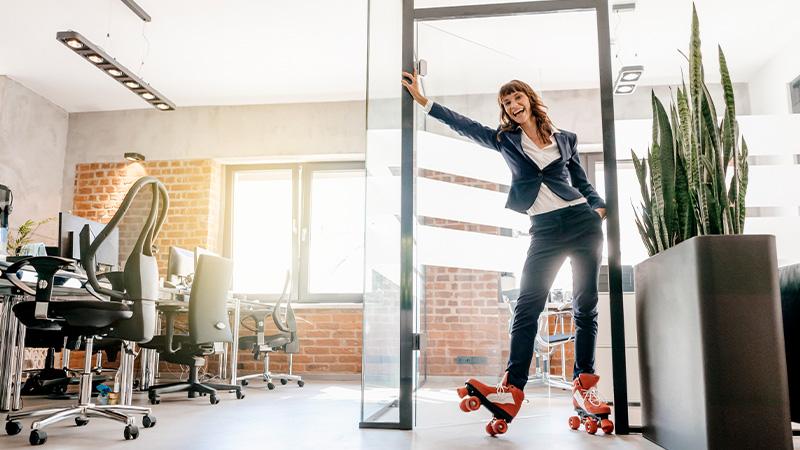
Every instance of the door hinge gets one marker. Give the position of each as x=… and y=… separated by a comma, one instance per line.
x=416, y=343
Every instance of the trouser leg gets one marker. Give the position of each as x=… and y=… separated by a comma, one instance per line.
x=585, y=256
x=544, y=260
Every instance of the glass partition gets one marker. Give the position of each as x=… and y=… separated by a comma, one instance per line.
x=381, y=335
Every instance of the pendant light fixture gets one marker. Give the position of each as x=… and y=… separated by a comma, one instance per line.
x=100, y=59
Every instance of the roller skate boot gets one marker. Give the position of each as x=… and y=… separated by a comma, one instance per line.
x=592, y=411
x=503, y=401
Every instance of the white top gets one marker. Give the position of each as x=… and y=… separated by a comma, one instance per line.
x=547, y=200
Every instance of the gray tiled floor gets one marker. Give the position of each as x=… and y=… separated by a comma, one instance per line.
x=324, y=415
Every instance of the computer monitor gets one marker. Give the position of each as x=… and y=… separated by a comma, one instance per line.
x=69, y=243
x=180, y=264
x=201, y=251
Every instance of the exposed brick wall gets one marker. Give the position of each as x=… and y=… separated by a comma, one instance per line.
x=194, y=192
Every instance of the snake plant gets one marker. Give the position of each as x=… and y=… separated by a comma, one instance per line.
x=688, y=191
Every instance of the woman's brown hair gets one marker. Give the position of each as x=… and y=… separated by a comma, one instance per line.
x=544, y=127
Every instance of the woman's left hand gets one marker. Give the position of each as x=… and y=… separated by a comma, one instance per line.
x=601, y=212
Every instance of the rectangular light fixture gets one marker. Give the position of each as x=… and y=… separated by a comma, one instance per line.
x=627, y=78
x=138, y=10
x=100, y=59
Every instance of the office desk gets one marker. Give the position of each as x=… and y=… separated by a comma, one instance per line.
x=178, y=298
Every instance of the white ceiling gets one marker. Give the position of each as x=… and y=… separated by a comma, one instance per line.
x=213, y=52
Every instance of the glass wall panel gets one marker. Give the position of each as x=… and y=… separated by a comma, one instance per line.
x=381, y=346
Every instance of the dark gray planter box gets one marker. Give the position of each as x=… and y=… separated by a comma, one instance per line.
x=711, y=352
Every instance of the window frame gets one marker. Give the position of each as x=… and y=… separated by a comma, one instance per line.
x=301, y=212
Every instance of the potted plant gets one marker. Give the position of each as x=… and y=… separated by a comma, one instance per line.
x=23, y=235
x=712, y=369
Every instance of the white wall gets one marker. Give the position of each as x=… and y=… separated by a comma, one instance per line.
x=33, y=142
x=769, y=90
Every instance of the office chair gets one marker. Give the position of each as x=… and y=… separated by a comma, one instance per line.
x=547, y=343
x=285, y=341
x=54, y=381
x=208, y=324
x=130, y=315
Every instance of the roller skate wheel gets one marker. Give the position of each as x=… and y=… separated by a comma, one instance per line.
x=591, y=426
x=462, y=392
x=499, y=426
x=473, y=403
x=607, y=426
x=490, y=429
x=574, y=422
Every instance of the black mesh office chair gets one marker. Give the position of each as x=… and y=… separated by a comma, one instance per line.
x=208, y=324
x=284, y=341
x=130, y=315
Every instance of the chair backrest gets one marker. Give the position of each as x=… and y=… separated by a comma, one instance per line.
x=208, y=315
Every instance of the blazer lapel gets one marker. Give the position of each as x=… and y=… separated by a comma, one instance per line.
x=516, y=138
x=562, y=145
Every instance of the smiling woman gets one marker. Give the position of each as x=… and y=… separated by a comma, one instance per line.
x=548, y=184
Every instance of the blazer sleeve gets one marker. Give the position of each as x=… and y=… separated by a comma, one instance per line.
x=466, y=127
x=579, y=180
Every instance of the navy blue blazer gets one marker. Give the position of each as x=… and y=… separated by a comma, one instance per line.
x=564, y=176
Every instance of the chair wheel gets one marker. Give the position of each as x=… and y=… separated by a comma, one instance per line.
x=149, y=421
x=38, y=437
x=244, y=382
x=80, y=421
x=239, y=395
x=270, y=386
x=131, y=432
x=284, y=381
x=213, y=399
x=301, y=383
x=192, y=394
x=155, y=400
x=13, y=427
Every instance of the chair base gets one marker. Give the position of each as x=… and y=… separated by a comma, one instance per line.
x=193, y=388
x=268, y=376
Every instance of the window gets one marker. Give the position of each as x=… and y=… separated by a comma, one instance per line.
x=306, y=220
x=794, y=92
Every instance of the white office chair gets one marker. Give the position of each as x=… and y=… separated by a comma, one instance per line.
x=549, y=338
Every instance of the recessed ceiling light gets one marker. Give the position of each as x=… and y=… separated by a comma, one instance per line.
x=100, y=59
x=627, y=78
x=631, y=76
x=624, y=89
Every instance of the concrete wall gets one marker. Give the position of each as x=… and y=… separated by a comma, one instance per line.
x=769, y=88
x=223, y=132
x=33, y=142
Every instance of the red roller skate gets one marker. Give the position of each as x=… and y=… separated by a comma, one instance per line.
x=592, y=411
x=503, y=401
